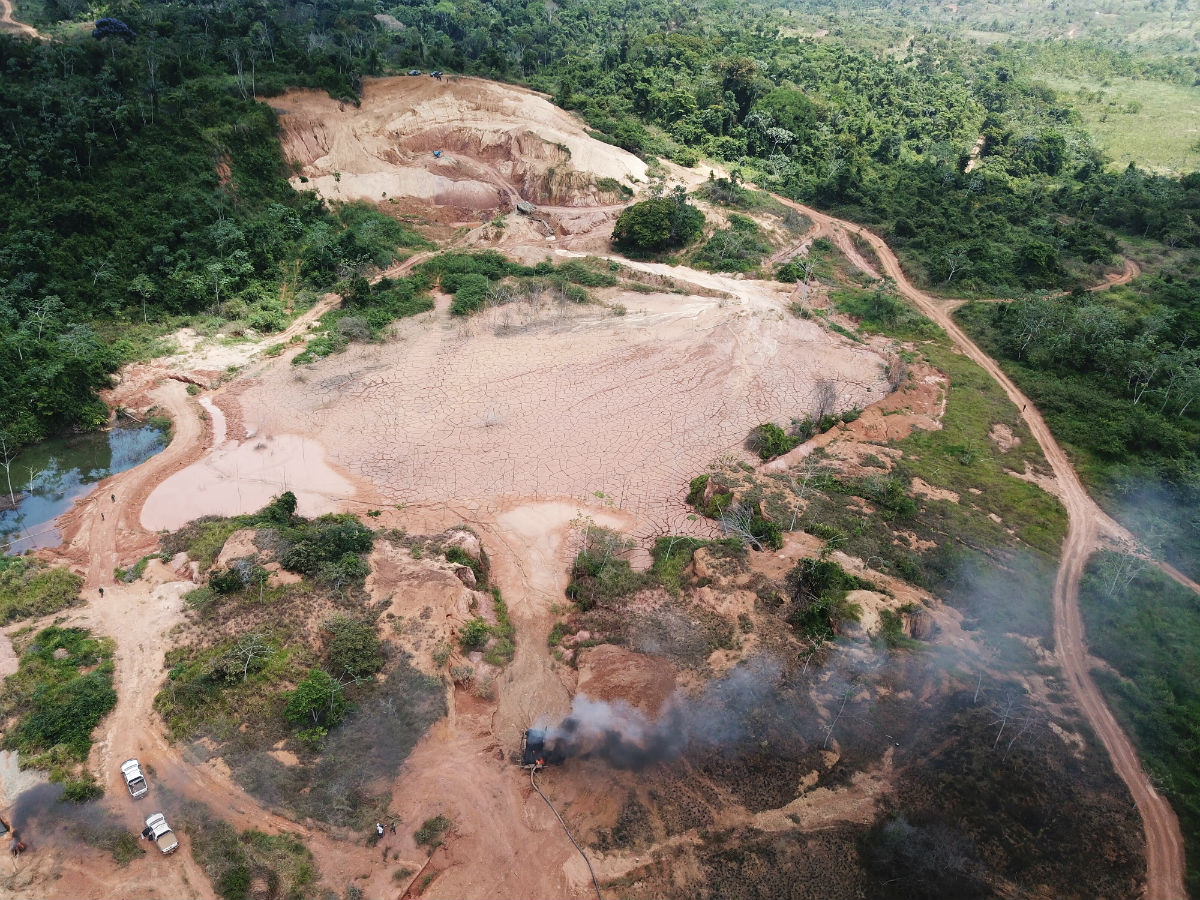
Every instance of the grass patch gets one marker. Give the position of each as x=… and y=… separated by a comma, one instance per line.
x=239, y=862
x=30, y=589
x=481, y=279
x=134, y=572
x=503, y=648
x=1150, y=123
x=672, y=555
x=364, y=314
x=879, y=309
x=120, y=843
x=1114, y=374
x=431, y=832
x=58, y=702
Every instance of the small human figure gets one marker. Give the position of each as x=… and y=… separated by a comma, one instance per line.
x=393, y=827
x=1025, y=407
x=101, y=517
x=113, y=497
x=379, y=829
x=101, y=592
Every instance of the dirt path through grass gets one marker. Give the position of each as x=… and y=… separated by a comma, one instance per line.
x=8, y=23
x=1164, y=841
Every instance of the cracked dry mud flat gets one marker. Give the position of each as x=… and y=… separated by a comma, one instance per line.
x=574, y=402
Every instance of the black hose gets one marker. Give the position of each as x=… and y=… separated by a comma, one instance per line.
x=532, y=781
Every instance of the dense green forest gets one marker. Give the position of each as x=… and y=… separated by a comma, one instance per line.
x=142, y=181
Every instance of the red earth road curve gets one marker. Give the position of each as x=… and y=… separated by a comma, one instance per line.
x=1164, y=841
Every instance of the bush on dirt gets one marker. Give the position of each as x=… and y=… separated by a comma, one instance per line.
x=318, y=701
x=474, y=634
x=239, y=575
x=353, y=647
x=769, y=441
x=673, y=553
x=233, y=861
x=58, y=702
x=599, y=573
x=658, y=224
x=718, y=501
x=818, y=589
x=431, y=831
x=29, y=588
x=470, y=294
x=738, y=248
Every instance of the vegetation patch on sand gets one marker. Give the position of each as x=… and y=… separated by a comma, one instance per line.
x=59, y=694
x=31, y=589
x=297, y=666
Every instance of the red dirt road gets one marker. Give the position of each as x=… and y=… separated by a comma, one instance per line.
x=1164, y=841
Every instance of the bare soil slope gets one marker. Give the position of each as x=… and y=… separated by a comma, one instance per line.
x=498, y=144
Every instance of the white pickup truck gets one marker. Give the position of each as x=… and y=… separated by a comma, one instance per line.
x=134, y=779
x=160, y=832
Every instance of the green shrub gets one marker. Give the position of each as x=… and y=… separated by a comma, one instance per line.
x=738, y=248
x=503, y=649
x=317, y=700
x=59, y=704
x=769, y=441
x=239, y=575
x=717, y=503
x=657, y=224
x=599, y=574
x=431, y=831
x=353, y=647
x=474, y=634
x=330, y=548
x=133, y=573
x=460, y=557
x=818, y=589
x=470, y=294
x=82, y=790
x=29, y=588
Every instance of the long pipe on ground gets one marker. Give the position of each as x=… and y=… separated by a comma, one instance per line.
x=533, y=781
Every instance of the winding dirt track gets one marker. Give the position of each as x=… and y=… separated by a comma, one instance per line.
x=1164, y=841
x=6, y=19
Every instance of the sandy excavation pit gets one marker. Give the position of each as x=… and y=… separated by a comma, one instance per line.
x=563, y=404
x=498, y=144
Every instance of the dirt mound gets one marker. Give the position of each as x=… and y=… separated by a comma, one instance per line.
x=469, y=145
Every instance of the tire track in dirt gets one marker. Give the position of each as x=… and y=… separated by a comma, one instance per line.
x=1087, y=522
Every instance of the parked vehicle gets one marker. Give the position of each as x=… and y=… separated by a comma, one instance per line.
x=134, y=779
x=414, y=71
x=160, y=832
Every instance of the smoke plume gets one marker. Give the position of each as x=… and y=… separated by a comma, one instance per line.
x=625, y=737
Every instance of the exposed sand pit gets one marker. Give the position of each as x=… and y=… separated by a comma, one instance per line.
x=555, y=404
x=498, y=144
x=238, y=478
